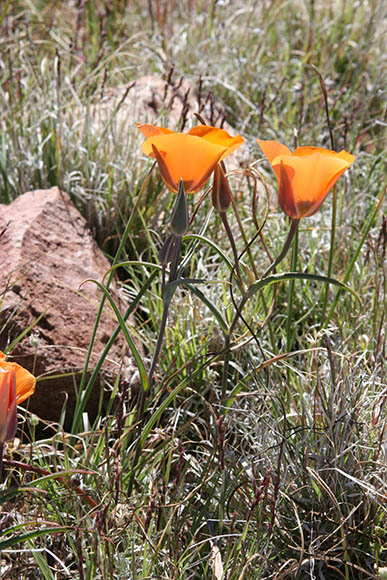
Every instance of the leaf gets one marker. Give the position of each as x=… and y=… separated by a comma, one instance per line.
x=81, y=404
x=316, y=489
x=216, y=559
x=351, y=264
x=124, y=328
x=171, y=287
x=211, y=306
x=275, y=278
x=33, y=534
x=212, y=245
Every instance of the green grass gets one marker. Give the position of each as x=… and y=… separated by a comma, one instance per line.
x=268, y=463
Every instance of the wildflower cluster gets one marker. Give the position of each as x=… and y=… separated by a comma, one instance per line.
x=187, y=160
x=305, y=177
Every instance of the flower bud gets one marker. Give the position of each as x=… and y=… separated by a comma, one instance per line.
x=221, y=192
x=167, y=250
x=180, y=219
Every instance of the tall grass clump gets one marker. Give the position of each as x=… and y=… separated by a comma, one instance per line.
x=250, y=444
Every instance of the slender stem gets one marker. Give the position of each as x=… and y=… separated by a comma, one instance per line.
x=292, y=233
x=4, y=12
x=289, y=335
x=334, y=203
x=226, y=361
x=160, y=337
x=351, y=264
x=245, y=240
x=233, y=246
x=140, y=412
x=331, y=251
x=293, y=230
x=226, y=365
x=166, y=304
x=325, y=95
x=175, y=259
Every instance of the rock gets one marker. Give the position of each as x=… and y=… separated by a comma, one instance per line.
x=47, y=253
x=169, y=103
x=150, y=99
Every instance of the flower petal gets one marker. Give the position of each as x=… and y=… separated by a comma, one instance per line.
x=217, y=136
x=186, y=157
x=273, y=149
x=151, y=131
x=305, y=176
x=305, y=151
x=25, y=381
x=309, y=150
x=8, y=417
x=346, y=156
x=285, y=191
x=314, y=174
x=166, y=175
x=25, y=384
x=190, y=156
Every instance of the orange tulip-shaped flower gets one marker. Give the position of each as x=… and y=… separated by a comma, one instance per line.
x=8, y=419
x=16, y=384
x=305, y=176
x=188, y=156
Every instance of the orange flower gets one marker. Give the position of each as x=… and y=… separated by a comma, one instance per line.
x=188, y=156
x=305, y=176
x=16, y=384
x=8, y=419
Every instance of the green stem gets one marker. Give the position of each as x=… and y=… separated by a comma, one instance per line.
x=175, y=260
x=137, y=453
x=166, y=303
x=233, y=247
x=85, y=395
x=226, y=361
x=226, y=365
x=4, y=12
x=85, y=392
x=285, y=249
x=160, y=337
x=289, y=334
x=81, y=407
x=292, y=234
x=331, y=250
x=245, y=240
x=355, y=256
